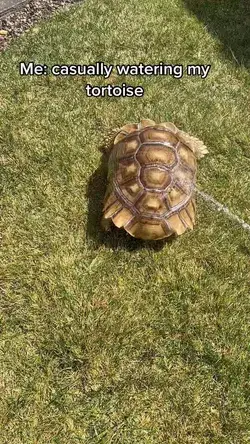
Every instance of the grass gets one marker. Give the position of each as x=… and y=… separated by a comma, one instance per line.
x=105, y=339
x=230, y=22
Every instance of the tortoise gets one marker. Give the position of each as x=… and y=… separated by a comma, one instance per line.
x=151, y=179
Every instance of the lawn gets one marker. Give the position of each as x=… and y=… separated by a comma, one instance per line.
x=106, y=339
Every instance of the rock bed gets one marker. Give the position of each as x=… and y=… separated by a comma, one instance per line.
x=16, y=22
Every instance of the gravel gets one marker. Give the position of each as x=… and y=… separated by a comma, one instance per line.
x=15, y=23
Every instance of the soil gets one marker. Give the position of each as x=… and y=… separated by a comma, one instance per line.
x=25, y=16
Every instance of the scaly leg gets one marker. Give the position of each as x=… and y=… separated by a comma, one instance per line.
x=106, y=224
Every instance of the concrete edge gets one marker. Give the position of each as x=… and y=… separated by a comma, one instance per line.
x=12, y=8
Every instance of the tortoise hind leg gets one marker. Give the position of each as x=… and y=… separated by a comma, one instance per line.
x=106, y=224
x=196, y=145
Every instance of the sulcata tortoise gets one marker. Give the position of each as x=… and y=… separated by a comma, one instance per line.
x=151, y=179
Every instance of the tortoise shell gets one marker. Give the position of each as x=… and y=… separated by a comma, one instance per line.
x=151, y=180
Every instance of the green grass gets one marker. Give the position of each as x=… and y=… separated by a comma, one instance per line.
x=105, y=339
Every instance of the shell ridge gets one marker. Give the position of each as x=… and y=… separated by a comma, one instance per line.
x=184, y=223
x=121, y=196
x=177, y=207
x=188, y=213
x=166, y=227
x=161, y=143
x=163, y=167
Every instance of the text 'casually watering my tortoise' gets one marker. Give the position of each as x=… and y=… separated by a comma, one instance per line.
x=100, y=69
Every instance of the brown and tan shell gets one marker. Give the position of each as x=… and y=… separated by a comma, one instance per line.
x=152, y=174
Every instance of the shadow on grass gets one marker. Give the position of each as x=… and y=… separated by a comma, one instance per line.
x=229, y=21
x=117, y=239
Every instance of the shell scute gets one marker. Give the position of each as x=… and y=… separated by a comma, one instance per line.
x=185, y=218
x=187, y=156
x=128, y=146
x=110, y=198
x=132, y=190
x=113, y=208
x=151, y=204
x=159, y=135
x=176, y=224
x=127, y=169
x=122, y=217
x=147, y=229
x=155, y=178
x=156, y=154
x=175, y=197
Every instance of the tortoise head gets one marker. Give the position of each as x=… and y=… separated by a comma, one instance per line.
x=109, y=141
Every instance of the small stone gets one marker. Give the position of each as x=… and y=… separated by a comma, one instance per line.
x=16, y=23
